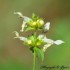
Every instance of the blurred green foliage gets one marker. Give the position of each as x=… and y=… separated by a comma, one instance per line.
x=13, y=54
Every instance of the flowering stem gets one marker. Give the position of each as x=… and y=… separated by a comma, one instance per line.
x=34, y=66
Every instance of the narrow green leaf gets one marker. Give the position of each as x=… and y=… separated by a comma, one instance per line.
x=40, y=53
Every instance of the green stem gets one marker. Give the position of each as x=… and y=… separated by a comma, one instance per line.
x=34, y=66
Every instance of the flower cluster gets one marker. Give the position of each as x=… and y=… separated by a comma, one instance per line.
x=36, y=23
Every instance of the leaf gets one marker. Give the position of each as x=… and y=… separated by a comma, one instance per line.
x=40, y=53
x=29, y=28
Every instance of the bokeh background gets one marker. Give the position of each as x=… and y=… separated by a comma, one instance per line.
x=13, y=54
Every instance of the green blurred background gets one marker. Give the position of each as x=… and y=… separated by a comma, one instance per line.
x=13, y=54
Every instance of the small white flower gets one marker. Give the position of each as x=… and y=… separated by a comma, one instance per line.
x=19, y=37
x=23, y=26
x=41, y=36
x=16, y=33
x=46, y=46
x=18, y=13
x=26, y=19
x=58, y=42
x=23, y=38
x=47, y=26
x=49, y=41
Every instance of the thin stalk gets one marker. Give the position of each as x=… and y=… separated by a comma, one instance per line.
x=34, y=66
